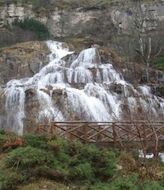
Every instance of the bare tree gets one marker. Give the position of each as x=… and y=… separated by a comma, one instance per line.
x=144, y=24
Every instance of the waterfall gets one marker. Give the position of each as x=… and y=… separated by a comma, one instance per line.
x=85, y=89
x=15, y=99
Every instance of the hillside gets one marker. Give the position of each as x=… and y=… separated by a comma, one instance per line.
x=35, y=162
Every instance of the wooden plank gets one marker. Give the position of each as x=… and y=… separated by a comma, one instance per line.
x=72, y=133
x=98, y=132
x=116, y=132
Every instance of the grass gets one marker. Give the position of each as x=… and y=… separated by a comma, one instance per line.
x=55, y=163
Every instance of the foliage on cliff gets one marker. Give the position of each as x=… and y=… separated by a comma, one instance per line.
x=159, y=63
x=35, y=26
x=61, y=164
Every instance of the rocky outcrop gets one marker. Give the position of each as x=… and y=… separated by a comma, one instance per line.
x=11, y=12
x=22, y=60
x=31, y=109
x=91, y=20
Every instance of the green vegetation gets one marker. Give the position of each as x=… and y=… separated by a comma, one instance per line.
x=28, y=30
x=35, y=26
x=9, y=179
x=159, y=63
x=26, y=157
x=62, y=164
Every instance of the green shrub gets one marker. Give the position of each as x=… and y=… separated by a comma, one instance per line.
x=2, y=132
x=120, y=183
x=83, y=152
x=101, y=186
x=82, y=171
x=159, y=62
x=37, y=141
x=63, y=157
x=28, y=157
x=89, y=152
x=33, y=25
x=60, y=147
x=3, y=139
x=151, y=185
x=125, y=183
x=61, y=160
x=9, y=180
x=59, y=144
x=105, y=165
x=49, y=173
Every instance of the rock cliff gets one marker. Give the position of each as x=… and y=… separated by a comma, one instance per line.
x=95, y=20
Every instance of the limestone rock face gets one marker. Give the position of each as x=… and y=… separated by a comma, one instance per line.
x=77, y=21
x=11, y=12
x=22, y=60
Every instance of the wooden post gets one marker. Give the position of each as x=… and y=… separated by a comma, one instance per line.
x=85, y=132
x=98, y=136
x=114, y=134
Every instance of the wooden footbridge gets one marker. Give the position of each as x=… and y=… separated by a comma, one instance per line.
x=145, y=134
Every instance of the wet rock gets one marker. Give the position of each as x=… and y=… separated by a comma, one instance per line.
x=22, y=60
x=158, y=90
x=31, y=110
x=58, y=95
x=117, y=88
x=2, y=110
x=30, y=93
x=45, y=90
x=69, y=59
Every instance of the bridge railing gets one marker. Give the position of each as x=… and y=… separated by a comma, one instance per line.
x=143, y=134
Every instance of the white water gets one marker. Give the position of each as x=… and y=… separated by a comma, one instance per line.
x=151, y=155
x=90, y=90
x=15, y=99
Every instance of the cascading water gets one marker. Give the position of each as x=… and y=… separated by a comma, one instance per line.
x=84, y=89
x=15, y=99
